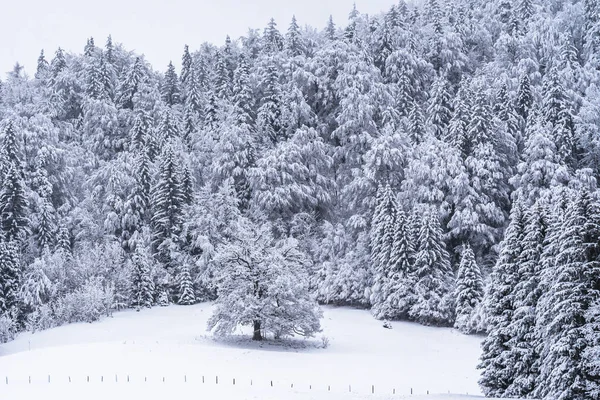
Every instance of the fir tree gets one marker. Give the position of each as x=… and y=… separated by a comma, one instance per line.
x=497, y=375
x=186, y=289
x=142, y=287
x=522, y=345
x=13, y=205
x=130, y=85
x=439, y=110
x=269, y=114
x=167, y=205
x=330, y=30
x=272, y=39
x=9, y=276
x=43, y=68
x=90, y=48
x=382, y=233
x=434, y=277
x=293, y=40
x=469, y=289
x=575, y=289
x=186, y=66
x=170, y=86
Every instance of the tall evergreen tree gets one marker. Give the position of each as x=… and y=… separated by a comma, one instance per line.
x=434, y=285
x=469, y=289
x=10, y=273
x=142, y=287
x=497, y=375
x=186, y=289
x=167, y=206
x=170, y=86
x=575, y=289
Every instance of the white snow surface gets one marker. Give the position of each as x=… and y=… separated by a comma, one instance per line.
x=128, y=356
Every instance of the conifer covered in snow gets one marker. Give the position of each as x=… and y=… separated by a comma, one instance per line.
x=434, y=286
x=469, y=289
x=142, y=287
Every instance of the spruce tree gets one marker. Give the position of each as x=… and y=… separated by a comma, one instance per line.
x=439, y=110
x=14, y=210
x=575, y=289
x=382, y=241
x=130, y=85
x=109, y=50
x=497, y=375
x=43, y=68
x=272, y=39
x=469, y=289
x=269, y=114
x=186, y=288
x=9, y=276
x=434, y=276
x=186, y=66
x=169, y=126
x=142, y=287
x=167, y=206
x=170, y=86
x=523, y=352
x=293, y=40
x=524, y=97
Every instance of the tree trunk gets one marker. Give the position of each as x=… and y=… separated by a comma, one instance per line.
x=257, y=335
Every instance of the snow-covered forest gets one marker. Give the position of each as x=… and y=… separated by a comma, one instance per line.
x=435, y=163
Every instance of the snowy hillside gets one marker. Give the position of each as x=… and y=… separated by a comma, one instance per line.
x=172, y=343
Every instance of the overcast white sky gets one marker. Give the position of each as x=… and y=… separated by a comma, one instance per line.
x=156, y=28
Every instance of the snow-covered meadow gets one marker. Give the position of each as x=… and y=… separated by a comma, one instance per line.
x=172, y=343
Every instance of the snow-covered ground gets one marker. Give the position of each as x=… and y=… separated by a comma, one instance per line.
x=128, y=356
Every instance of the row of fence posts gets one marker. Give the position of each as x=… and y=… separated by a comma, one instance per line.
x=217, y=382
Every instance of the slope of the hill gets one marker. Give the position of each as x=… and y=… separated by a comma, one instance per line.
x=131, y=353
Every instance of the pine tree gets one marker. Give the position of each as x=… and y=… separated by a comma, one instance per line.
x=43, y=68
x=433, y=287
x=269, y=114
x=59, y=63
x=497, y=375
x=137, y=207
x=13, y=205
x=9, y=276
x=170, y=86
x=130, y=85
x=541, y=168
x=439, y=110
x=187, y=184
x=109, y=50
x=382, y=233
x=575, y=288
x=416, y=127
x=522, y=345
x=90, y=48
x=142, y=287
x=469, y=289
x=169, y=126
x=167, y=205
x=222, y=79
x=293, y=40
x=272, y=39
x=186, y=289
x=45, y=228
x=141, y=129
x=330, y=30
x=186, y=66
